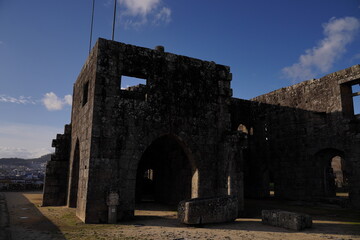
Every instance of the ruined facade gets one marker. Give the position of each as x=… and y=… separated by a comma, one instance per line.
x=176, y=127
x=300, y=130
x=181, y=135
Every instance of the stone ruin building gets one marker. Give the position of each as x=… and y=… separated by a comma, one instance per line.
x=182, y=135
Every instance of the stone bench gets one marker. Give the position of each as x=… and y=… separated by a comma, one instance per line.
x=208, y=210
x=289, y=220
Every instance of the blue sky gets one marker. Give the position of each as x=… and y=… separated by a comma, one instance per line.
x=267, y=44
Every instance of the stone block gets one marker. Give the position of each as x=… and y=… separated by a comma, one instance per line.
x=289, y=220
x=208, y=210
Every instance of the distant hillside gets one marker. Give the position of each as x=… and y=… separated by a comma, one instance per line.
x=24, y=162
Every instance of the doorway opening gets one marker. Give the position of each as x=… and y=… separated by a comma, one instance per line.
x=164, y=176
x=271, y=185
x=340, y=177
x=332, y=173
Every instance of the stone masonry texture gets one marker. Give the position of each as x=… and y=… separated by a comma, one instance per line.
x=199, y=211
x=289, y=220
x=181, y=135
x=295, y=132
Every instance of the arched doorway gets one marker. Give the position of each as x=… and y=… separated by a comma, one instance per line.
x=74, y=177
x=339, y=170
x=331, y=170
x=165, y=174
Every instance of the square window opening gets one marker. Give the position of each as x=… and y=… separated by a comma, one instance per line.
x=355, y=88
x=127, y=83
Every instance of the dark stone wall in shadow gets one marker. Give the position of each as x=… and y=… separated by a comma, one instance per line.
x=294, y=132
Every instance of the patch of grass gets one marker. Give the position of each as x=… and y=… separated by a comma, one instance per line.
x=69, y=219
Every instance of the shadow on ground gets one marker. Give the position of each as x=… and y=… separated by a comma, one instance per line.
x=156, y=221
x=328, y=219
x=26, y=221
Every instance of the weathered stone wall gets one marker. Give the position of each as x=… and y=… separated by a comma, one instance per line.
x=295, y=133
x=81, y=136
x=325, y=94
x=185, y=100
x=184, y=126
x=56, y=181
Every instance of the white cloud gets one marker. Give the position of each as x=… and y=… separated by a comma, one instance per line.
x=163, y=16
x=50, y=100
x=68, y=99
x=19, y=100
x=320, y=59
x=137, y=13
x=26, y=140
x=140, y=7
x=53, y=102
x=12, y=152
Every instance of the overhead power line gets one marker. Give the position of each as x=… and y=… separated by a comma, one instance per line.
x=92, y=24
x=114, y=20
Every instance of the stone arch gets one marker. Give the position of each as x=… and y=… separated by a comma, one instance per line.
x=129, y=160
x=74, y=176
x=324, y=160
x=173, y=169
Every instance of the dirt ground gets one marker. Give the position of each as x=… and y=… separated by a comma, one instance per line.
x=30, y=221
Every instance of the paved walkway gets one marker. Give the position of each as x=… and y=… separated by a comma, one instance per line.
x=26, y=221
x=4, y=219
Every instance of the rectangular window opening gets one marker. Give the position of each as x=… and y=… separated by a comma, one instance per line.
x=355, y=90
x=85, y=93
x=131, y=83
x=356, y=102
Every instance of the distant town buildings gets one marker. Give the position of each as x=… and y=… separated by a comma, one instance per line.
x=22, y=177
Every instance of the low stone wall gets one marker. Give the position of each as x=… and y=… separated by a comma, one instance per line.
x=4, y=219
x=208, y=210
x=289, y=220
